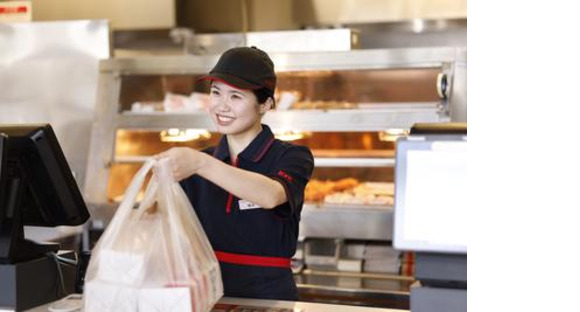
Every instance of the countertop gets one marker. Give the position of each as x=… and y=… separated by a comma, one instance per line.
x=258, y=305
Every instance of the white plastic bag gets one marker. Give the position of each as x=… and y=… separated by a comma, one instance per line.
x=156, y=257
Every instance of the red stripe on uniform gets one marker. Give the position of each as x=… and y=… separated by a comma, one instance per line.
x=231, y=196
x=253, y=260
x=264, y=150
x=229, y=205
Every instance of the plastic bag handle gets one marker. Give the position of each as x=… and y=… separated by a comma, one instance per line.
x=130, y=197
x=161, y=171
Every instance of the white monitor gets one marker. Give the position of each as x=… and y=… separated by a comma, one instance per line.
x=431, y=194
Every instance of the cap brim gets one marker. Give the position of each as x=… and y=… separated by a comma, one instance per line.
x=232, y=81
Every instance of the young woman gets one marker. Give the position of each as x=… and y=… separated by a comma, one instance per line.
x=248, y=190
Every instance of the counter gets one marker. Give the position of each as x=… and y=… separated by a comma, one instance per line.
x=256, y=305
x=300, y=306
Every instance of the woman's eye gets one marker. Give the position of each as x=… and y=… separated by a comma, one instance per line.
x=215, y=92
x=236, y=97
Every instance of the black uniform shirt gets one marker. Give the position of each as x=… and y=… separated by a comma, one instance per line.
x=254, y=231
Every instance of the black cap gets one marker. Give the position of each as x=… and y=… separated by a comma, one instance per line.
x=245, y=68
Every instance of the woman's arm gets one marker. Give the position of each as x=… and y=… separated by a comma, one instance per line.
x=253, y=187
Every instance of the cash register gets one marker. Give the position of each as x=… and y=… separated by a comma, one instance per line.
x=431, y=212
x=37, y=188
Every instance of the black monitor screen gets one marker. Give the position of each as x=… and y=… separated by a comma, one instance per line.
x=38, y=187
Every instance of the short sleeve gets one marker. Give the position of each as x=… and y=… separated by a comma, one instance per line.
x=293, y=170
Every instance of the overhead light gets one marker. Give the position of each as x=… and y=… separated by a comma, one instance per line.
x=291, y=135
x=391, y=135
x=418, y=25
x=184, y=135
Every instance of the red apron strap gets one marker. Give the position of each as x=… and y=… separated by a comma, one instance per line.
x=253, y=260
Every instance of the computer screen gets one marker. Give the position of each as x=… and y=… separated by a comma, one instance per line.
x=38, y=188
x=431, y=209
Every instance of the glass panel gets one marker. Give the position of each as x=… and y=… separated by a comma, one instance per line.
x=358, y=88
x=341, y=89
x=150, y=90
x=371, y=184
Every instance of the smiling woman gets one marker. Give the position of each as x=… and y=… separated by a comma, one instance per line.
x=234, y=110
x=248, y=190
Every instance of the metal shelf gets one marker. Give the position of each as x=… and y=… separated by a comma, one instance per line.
x=163, y=121
x=337, y=60
x=339, y=120
x=348, y=222
x=354, y=162
x=131, y=159
x=369, y=117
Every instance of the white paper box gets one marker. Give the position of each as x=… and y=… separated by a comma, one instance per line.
x=349, y=265
x=165, y=299
x=122, y=267
x=104, y=297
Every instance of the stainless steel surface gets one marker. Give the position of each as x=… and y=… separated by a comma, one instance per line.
x=49, y=74
x=359, y=275
x=102, y=144
x=351, y=120
x=319, y=40
x=458, y=102
x=163, y=121
x=202, y=44
x=355, y=289
x=356, y=59
x=416, y=33
x=351, y=285
x=306, y=306
x=413, y=33
x=365, y=223
x=305, y=120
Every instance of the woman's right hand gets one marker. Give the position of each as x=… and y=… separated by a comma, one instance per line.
x=184, y=161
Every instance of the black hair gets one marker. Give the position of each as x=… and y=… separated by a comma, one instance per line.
x=262, y=95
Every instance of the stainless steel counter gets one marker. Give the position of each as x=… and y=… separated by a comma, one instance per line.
x=275, y=305
x=371, y=290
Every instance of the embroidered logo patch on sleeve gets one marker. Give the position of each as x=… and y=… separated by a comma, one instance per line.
x=285, y=176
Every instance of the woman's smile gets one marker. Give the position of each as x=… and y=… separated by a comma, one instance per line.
x=224, y=120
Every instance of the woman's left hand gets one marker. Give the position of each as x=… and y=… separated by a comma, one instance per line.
x=184, y=161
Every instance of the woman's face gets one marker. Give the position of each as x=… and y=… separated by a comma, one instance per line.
x=233, y=110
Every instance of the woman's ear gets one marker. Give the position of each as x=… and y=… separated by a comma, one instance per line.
x=266, y=106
